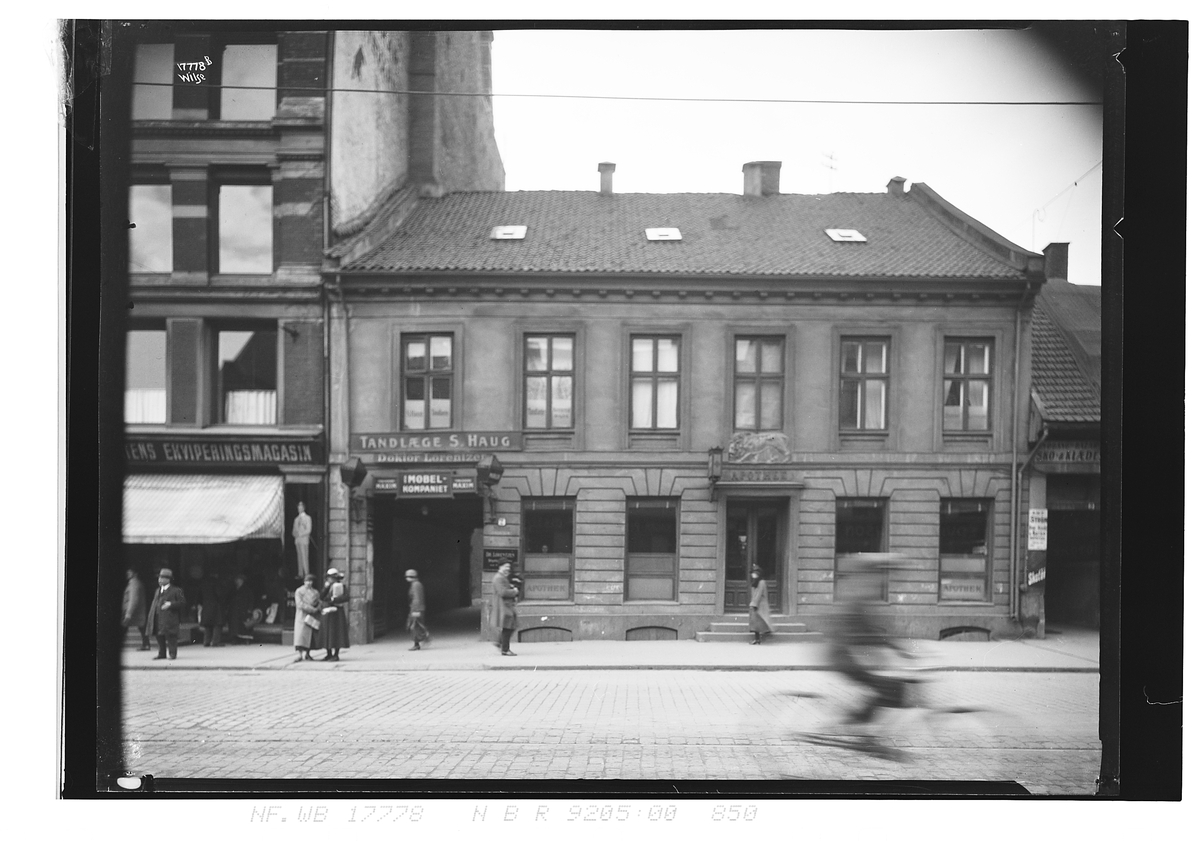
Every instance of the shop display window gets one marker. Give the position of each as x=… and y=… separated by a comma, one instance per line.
x=652, y=544
x=860, y=532
x=963, y=549
x=548, y=543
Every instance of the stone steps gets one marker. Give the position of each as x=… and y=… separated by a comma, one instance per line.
x=735, y=629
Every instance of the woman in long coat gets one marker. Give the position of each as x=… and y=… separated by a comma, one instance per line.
x=308, y=603
x=504, y=608
x=760, y=606
x=335, y=623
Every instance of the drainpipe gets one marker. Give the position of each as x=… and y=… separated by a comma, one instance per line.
x=327, y=212
x=1015, y=517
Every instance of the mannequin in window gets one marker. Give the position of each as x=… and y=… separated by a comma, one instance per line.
x=302, y=535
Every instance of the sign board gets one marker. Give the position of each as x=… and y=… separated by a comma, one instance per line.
x=242, y=452
x=1036, y=576
x=1038, y=529
x=424, y=484
x=1068, y=452
x=430, y=442
x=547, y=588
x=963, y=589
x=758, y=475
x=493, y=558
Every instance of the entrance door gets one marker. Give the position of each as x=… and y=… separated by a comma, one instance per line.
x=753, y=537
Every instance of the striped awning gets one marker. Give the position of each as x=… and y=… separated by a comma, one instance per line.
x=202, y=509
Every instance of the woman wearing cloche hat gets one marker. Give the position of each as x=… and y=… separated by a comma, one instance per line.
x=335, y=623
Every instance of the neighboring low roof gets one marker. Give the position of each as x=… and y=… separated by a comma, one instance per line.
x=1062, y=391
x=783, y=235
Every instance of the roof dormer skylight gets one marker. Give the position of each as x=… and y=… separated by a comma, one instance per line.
x=844, y=235
x=509, y=231
x=656, y=234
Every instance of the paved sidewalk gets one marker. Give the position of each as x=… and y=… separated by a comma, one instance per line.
x=460, y=648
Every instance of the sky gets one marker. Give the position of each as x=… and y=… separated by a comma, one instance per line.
x=1030, y=172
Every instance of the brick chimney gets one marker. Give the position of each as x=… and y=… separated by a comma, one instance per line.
x=761, y=178
x=895, y=187
x=1056, y=260
x=606, y=170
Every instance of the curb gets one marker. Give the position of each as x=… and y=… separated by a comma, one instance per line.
x=483, y=667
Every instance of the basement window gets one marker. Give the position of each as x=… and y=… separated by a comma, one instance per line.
x=656, y=234
x=844, y=235
x=509, y=231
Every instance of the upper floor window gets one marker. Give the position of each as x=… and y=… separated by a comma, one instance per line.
x=654, y=383
x=153, y=81
x=151, y=245
x=247, y=374
x=245, y=223
x=146, y=376
x=758, y=384
x=428, y=379
x=967, y=387
x=549, y=382
x=863, y=393
x=248, y=73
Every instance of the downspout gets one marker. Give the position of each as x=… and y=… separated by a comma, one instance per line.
x=326, y=211
x=1015, y=517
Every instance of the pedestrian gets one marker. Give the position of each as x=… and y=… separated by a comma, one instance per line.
x=504, y=608
x=212, y=608
x=760, y=606
x=133, y=607
x=335, y=624
x=416, y=610
x=166, y=610
x=241, y=611
x=308, y=611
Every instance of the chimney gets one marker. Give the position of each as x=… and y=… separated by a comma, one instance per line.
x=1056, y=260
x=761, y=178
x=606, y=171
x=895, y=187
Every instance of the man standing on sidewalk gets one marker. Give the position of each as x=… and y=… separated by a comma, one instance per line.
x=166, y=610
x=504, y=607
x=416, y=610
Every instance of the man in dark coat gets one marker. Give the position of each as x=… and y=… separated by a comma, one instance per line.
x=241, y=605
x=504, y=608
x=416, y=610
x=212, y=608
x=166, y=611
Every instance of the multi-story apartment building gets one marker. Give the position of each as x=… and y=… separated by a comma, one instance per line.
x=635, y=398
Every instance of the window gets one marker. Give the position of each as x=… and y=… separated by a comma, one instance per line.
x=428, y=377
x=548, y=526
x=967, y=387
x=758, y=384
x=153, y=81
x=862, y=402
x=651, y=530
x=549, y=382
x=654, y=401
x=245, y=224
x=146, y=376
x=861, y=529
x=247, y=374
x=151, y=245
x=963, y=549
x=247, y=74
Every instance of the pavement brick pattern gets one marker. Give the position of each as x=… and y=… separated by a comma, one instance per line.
x=1040, y=728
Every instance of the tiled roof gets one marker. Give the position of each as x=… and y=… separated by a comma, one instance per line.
x=780, y=235
x=1064, y=392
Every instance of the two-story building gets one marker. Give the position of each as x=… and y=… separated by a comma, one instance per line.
x=679, y=387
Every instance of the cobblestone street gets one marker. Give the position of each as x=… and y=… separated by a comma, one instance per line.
x=596, y=725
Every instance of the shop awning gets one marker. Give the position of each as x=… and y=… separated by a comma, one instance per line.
x=202, y=509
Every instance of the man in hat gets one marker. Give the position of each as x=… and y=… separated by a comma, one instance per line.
x=416, y=610
x=166, y=611
x=504, y=608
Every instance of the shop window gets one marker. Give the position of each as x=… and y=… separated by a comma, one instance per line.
x=549, y=382
x=758, y=384
x=247, y=374
x=151, y=245
x=248, y=73
x=548, y=540
x=963, y=549
x=428, y=381
x=153, y=81
x=654, y=383
x=860, y=532
x=245, y=222
x=146, y=376
x=863, y=396
x=967, y=386
x=652, y=557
